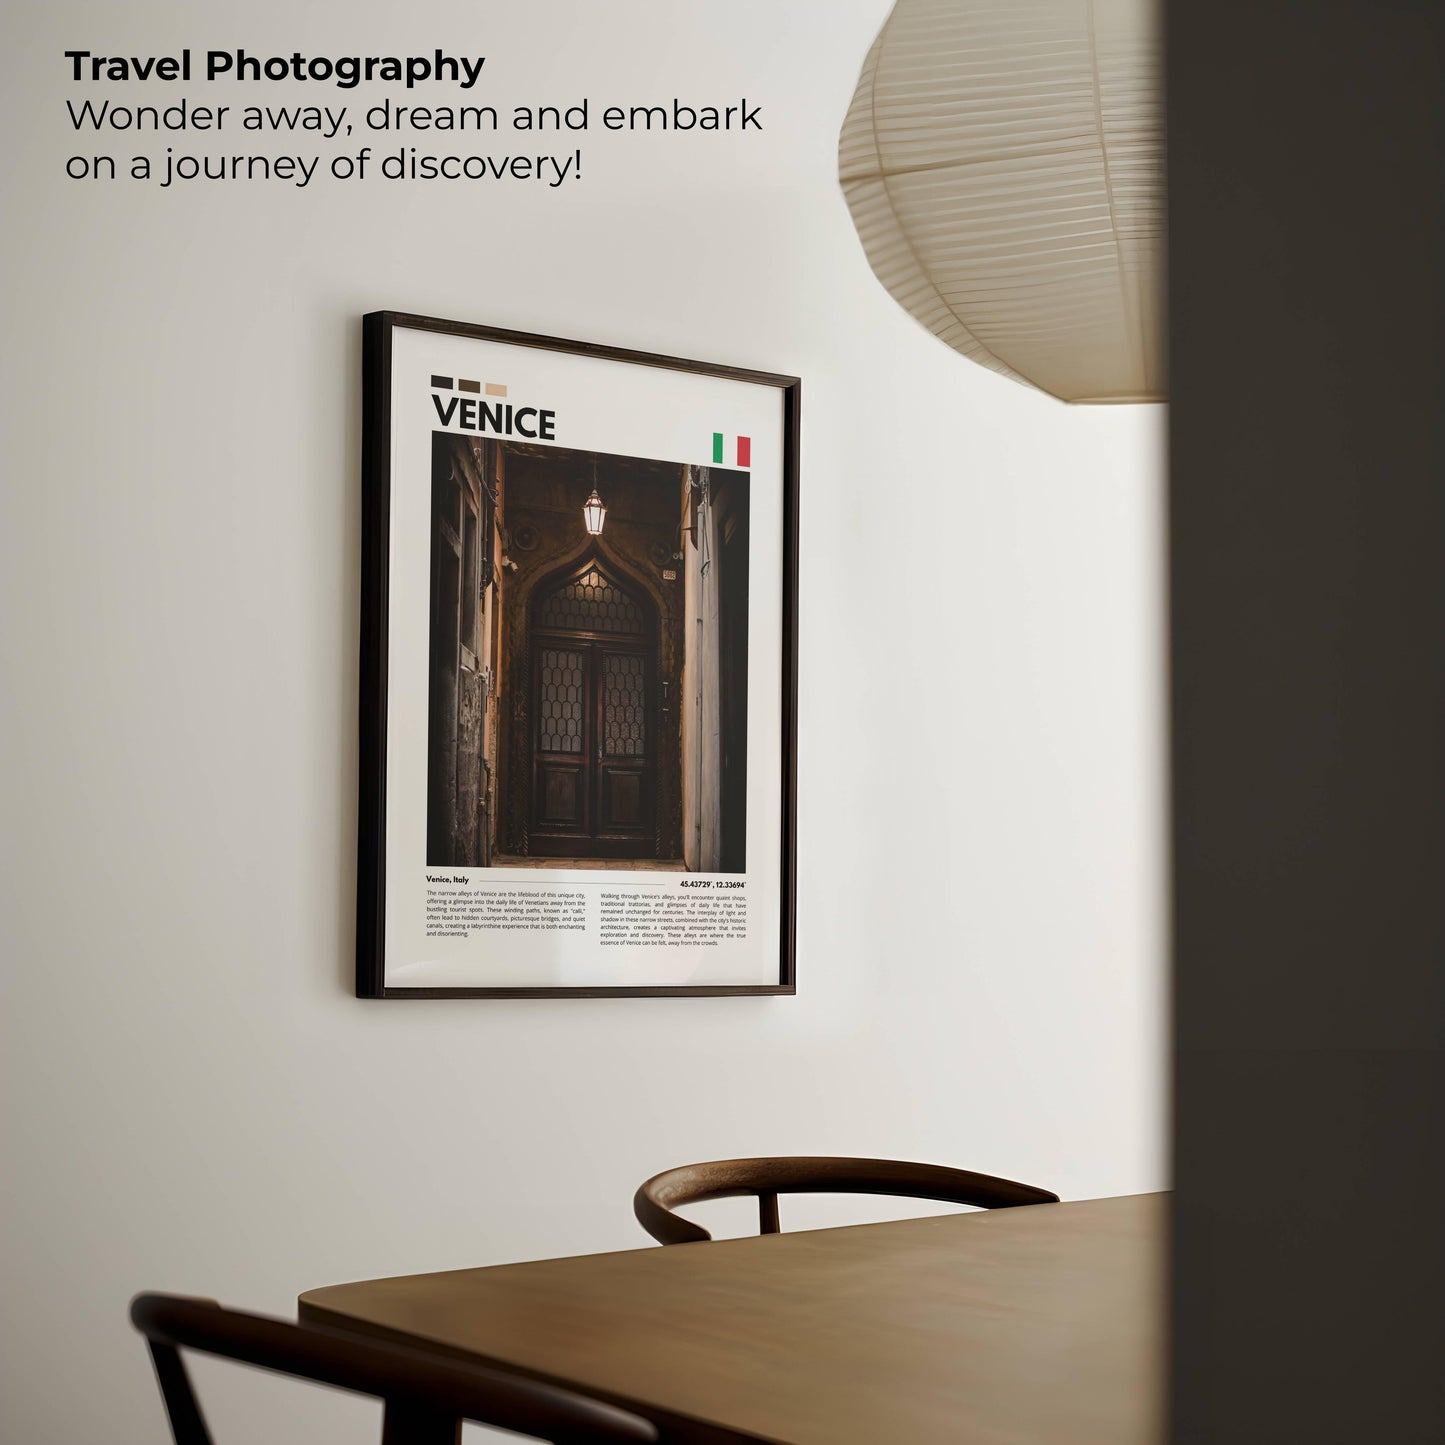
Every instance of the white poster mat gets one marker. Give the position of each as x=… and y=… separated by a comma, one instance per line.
x=624, y=409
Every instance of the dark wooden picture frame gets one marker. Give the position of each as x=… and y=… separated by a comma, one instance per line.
x=378, y=332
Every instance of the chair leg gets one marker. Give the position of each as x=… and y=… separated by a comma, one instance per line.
x=768, y=1211
x=188, y=1425
x=405, y=1423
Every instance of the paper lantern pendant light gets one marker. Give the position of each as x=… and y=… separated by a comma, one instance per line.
x=1003, y=161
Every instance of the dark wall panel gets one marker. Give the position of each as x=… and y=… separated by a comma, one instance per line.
x=1307, y=500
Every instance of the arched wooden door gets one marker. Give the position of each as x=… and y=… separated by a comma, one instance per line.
x=594, y=749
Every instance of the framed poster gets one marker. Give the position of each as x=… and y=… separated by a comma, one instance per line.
x=578, y=669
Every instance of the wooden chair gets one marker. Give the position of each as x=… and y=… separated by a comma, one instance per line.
x=767, y=1178
x=425, y=1397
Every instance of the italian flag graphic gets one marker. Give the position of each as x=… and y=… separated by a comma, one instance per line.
x=743, y=445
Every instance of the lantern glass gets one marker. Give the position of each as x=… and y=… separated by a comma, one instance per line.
x=594, y=514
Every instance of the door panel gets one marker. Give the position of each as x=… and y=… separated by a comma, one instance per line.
x=594, y=664
x=562, y=784
x=593, y=758
x=623, y=764
x=561, y=700
x=562, y=796
x=623, y=800
x=624, y=705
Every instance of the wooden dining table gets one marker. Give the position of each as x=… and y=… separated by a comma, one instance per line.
x=1034, y=1326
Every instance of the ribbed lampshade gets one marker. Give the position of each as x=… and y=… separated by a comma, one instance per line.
x=1003, y=161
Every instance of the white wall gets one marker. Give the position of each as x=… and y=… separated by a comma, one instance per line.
x=194, y=1101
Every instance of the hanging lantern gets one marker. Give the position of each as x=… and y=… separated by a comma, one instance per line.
x=1003, y=161
x=594, y=514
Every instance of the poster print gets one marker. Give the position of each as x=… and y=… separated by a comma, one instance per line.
x=578, y=669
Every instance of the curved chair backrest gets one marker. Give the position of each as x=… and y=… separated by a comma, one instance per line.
x=426, y=1397
x=767, y=1178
